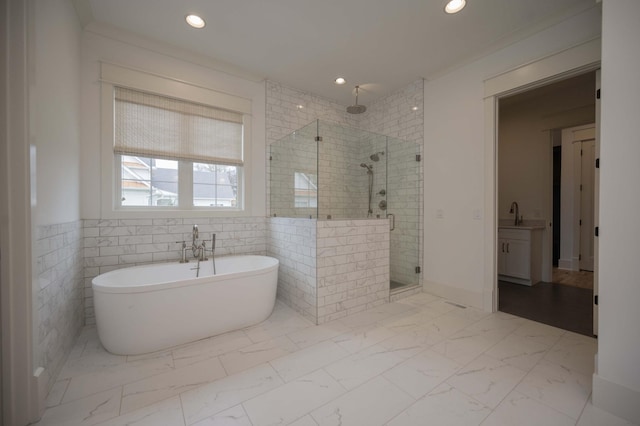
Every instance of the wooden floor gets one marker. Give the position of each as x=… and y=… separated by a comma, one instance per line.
x=582, y=279
x=565, y=306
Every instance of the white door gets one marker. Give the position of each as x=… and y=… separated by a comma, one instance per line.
x=588, y=159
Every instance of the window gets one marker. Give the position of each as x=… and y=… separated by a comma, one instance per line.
x=305, y=188
x=171, y=153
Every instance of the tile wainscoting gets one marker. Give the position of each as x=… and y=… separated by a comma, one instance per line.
x=115, y=244
x=58, y=275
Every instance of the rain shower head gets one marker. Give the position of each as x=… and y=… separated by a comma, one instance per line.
x=375, y=157
x=356, y=109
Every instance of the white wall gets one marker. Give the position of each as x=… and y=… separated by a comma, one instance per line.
x=454, y=183
x=55, y=112
x=54, y=115
x=616, y=385
x=101, y=44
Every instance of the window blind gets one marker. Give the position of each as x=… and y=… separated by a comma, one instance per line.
x=156, y=126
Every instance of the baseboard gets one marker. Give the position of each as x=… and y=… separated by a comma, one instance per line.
x=458, y=295
x=566, y=264
x=616, y=399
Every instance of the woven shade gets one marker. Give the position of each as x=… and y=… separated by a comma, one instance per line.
x=156, y=126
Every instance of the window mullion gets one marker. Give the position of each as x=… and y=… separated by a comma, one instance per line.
x=185, y=184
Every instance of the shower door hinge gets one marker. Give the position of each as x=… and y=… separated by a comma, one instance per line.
x=598, y=94
x=595, y=299
x=270, y=158
x=579, y=257
x=597, y=163
x=418, y=270
x=418, y=157
x=318, y=138
x=597, y=231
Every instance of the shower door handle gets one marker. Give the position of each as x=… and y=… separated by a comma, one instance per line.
x=392, y=223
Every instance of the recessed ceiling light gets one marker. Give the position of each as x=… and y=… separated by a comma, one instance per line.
x=195, y=21
x=340, y=80
x=300, y=106
x=415, y=108
x=455, y=6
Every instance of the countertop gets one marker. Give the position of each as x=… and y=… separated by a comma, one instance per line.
x=525, y=227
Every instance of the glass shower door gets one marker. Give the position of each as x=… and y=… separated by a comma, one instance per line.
x=403, y=207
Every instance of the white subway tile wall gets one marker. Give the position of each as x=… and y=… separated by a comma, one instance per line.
x=353, y=266
x=58, y=254
x=330, y=268
x=115, y=244
x=293, y=243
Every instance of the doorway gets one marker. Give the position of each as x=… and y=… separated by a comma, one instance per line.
x=533, y=171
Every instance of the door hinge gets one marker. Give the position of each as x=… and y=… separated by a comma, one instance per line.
x=580, y=153
x=579, y=257
x=595, y=299
x=598, y=94
x=597, y=231
x=580, y=187
x=580, y=222
x=270, y=158
x=418, y=157
x=418, y=270
x=597, y=163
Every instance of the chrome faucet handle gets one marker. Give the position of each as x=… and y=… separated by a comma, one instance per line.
x=203, y=253
x=184, y=251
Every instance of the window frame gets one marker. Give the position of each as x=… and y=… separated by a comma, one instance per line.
x=111, y=207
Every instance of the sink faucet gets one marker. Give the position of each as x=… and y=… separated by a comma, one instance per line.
x=514, y=209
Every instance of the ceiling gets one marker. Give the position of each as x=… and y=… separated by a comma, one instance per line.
x=382, y=45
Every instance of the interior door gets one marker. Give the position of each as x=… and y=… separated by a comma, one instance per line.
x=587, y=204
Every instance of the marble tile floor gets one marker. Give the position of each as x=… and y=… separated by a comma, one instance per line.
x=417, y=361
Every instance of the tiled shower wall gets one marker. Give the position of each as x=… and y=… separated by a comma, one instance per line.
x=330, y=268
x=293, y=243
x=393, y=116
x=353, y=266
x=114, y=244
x=58, y=255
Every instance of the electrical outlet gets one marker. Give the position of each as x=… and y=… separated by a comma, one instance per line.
x=440, y=214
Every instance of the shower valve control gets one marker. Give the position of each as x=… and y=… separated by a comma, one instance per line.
x=382, y=192
x=383, y=205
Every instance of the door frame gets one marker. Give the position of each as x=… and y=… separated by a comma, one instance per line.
x=20, y=397
x=576, y=60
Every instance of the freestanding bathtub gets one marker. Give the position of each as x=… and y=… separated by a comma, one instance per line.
x=147, y=308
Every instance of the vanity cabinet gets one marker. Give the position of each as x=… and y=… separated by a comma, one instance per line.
x=520, y=255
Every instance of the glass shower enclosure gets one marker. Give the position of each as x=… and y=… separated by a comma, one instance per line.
x=328, y=171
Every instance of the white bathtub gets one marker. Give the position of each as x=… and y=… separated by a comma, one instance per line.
x=147, y=308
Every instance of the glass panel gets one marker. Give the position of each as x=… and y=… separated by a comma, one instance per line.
x=293, y=174
x=215, y=185
x=403, y=184
x=148, y=181
x=352, y=173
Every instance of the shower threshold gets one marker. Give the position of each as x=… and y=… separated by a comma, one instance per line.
x=398, y=287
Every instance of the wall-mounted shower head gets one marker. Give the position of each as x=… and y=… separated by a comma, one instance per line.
x=375, y=157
